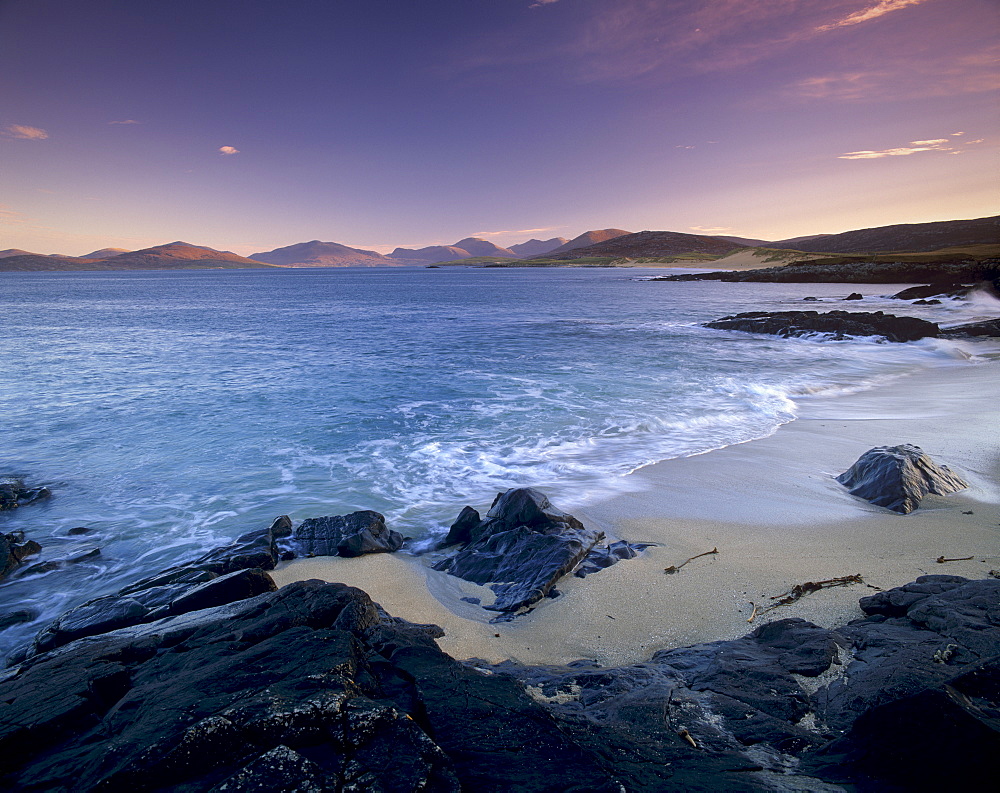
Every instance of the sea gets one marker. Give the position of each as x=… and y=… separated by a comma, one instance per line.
x=170, y=412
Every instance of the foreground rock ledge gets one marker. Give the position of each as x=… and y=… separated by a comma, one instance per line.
x=314, y=688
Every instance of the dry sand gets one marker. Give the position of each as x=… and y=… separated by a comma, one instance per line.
x=745, y=259
x=773, y=510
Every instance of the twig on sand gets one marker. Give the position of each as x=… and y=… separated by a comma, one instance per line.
x=797, y=591
x=942, y=560
x=674, y=568
x=683, y=733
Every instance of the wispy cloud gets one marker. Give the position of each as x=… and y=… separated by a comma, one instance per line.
x=880, y=9
x=540, y=3
x=915, y=147
x=226, y=151
x=8, y=215
x=25, y=133
x=514, y=231
x=126, y=121
x=710, y=229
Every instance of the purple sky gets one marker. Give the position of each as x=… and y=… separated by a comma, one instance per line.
x=247, y=125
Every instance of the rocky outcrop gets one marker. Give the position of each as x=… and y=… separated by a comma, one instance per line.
x=14, y=549
x=315, y=688
x=14, y=494
x=839, y=324
x=520, y=549
x=863, y=271
x=222, y=575
x=898, y=477
x=346, y=535
x=989, y=327
x=946, y=289
x=792, y=704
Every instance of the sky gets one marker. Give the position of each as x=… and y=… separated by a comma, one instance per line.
x=246, y=125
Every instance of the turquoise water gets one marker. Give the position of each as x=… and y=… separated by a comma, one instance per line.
x=170, y=412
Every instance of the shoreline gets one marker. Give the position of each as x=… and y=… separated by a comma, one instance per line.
x=770, y=506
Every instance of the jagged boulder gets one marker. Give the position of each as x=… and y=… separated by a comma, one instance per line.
x=14, y=494
x=520, y=549
x=839, y=324
x=223, y=575
x=346, y=535
x=14, y=549
x=898, y=477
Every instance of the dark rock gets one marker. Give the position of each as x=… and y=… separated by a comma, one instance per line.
x=927, y=302
x=279, y=770
x=811, y=299
x=934, y=739
x=839, y=323
x=177, y=590
x=313, y=687
x=254, y=549
x=461, y=530
x=10, y=618
x=522, y=547
x=989, y=327
x=897, y=601
x=347, y=535
x=225, y=589
x=601, y=557
x=78, y=530
x=933, y=290
x=58, y=564
x=91, y=619
x=14, y=494
x=898, y=477
x=855, y=296
x=14, y=549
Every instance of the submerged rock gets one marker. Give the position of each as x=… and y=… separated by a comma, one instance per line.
x=989, y=327
x=14, y=494
x=840, y=324
x=14, y=549
x=347, y=535
x=898, y=477
x=947, y=289
x=223, y=575
x=520, y=549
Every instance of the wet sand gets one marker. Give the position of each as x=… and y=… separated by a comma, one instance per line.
x=773, y=510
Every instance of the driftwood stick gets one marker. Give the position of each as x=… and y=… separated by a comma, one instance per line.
x=942, y=560
x=799, y=590
x=674, y=568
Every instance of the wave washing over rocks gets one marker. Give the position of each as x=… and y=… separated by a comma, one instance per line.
x=207, y=678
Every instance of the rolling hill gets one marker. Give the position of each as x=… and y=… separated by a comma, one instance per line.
x=651, y=244
x=322, y=254
x=911, y=237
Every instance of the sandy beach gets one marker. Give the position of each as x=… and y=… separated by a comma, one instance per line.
x=772, y=509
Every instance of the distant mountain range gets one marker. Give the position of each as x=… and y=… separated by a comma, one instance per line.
x=172, y=256
x=603, y=243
